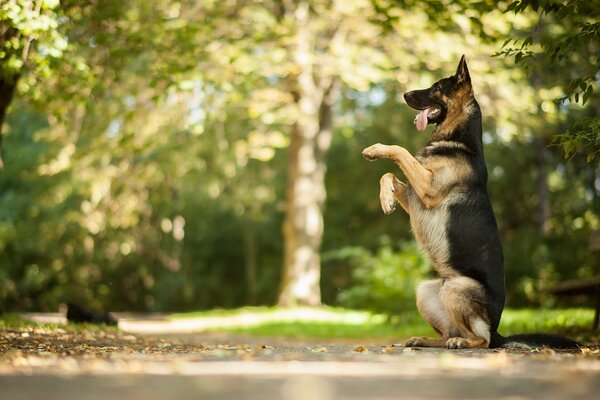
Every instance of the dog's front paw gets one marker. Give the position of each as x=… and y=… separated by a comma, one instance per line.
x=373, y=152
x=416, y=341
x=457, y=343
x=387, y=200
x=388, y=206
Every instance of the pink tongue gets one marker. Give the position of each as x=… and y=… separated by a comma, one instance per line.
x=421, y=120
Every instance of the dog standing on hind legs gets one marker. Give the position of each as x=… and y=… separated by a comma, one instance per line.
x=452, y=219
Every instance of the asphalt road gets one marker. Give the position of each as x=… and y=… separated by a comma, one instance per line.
x=241, y=368
x=56, y=364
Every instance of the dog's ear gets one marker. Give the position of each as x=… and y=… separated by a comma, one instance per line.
x=462, y=72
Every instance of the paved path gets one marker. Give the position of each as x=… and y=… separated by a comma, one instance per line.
x=312, y=386
x=226, y=367
x=65, y=365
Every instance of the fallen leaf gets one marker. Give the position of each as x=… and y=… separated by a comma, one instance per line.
x=361, y=349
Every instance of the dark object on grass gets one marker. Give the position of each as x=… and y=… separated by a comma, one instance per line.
x=581, y=287
x=80, y=314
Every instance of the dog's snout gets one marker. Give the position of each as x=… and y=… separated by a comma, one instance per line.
x=411, y=98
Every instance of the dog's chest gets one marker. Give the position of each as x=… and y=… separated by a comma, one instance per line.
x=430, y=227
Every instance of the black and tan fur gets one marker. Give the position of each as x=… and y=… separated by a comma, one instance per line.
x=452, y=219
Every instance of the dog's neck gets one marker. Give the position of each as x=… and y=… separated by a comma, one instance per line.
x=462, y=124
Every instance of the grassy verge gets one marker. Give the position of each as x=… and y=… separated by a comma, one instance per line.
x=569, y=321
x=337, y=323
x=15, y=322
x=307, y=323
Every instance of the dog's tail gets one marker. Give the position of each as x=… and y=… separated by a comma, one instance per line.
x=530, y=340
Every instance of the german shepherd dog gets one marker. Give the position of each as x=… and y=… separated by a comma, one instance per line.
x=452, y=219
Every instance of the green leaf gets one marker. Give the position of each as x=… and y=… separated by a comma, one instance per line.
x=534, y=5
x=511, y=6
x=587, y=94
x=507, y=41
x=518, y=57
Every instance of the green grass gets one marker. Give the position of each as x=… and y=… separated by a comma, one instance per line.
x=570, y=320
x=324, y=322
x=13, y=321
x=16, y=322
x=336, y=323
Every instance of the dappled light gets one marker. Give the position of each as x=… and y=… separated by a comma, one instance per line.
x=196, y=156
x=249, y=318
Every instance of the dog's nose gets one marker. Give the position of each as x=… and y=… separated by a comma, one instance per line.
x=407, y=95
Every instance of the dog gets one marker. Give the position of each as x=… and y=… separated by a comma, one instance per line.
x=79, y=314
x=452, y=219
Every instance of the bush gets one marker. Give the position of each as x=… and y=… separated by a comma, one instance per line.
x=384, y=281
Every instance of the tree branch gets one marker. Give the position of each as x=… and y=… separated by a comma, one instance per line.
x=30, y=38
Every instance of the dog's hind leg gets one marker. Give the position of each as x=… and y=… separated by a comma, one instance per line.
x=466, y=303
x=391, y=192
x=457, y=308
x=433, y=310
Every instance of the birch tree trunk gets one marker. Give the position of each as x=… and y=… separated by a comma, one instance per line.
x=305, y=191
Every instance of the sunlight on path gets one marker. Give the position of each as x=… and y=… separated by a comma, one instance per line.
x=243, y=319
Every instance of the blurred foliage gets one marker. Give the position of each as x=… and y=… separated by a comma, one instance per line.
x=566, y=36
x=384, y=281
x=25, y=24
x=145, y=170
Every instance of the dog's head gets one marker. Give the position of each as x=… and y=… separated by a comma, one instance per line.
x=443, y=99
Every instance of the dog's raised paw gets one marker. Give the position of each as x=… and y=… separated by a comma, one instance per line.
x=371, y=152
x=368, y=156
x=388, y=206
x=386, y=199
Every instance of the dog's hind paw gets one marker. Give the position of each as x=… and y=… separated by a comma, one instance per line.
x=416, y=341
x=457, y=343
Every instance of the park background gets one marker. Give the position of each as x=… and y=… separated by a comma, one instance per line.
x=189, y=155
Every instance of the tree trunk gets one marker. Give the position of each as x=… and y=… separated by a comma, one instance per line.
x=7, y=91
x=542, y=186
x=311, y=138
x=250, y=255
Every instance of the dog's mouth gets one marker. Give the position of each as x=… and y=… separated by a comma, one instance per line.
x=427, y=116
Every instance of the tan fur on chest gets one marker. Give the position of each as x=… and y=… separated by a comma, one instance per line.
x=429, y=226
